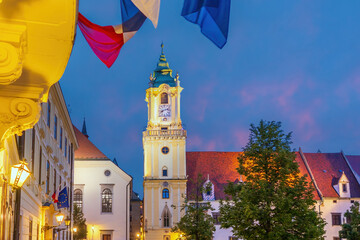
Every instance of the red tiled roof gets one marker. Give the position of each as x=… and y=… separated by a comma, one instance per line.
x=327, y=169
x=221, y=168
x=87, y=150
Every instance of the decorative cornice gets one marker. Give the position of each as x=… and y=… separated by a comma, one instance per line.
x=12, y=49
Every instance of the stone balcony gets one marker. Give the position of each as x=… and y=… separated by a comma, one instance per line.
x=165, y=133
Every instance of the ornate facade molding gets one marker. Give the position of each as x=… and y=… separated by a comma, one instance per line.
x=17, y=115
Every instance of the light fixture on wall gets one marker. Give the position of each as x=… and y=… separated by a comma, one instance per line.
x=19, y=174
x=59, y=218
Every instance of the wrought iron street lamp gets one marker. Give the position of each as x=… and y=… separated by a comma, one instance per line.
x=59, y=218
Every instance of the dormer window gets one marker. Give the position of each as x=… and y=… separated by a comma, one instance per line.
x=344, y=187
x=164, y=98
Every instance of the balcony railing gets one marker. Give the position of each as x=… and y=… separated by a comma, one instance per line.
x=165, y=133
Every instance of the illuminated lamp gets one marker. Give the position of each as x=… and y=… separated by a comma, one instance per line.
x=67, y=221
x=59, y=217
x=74, y=229
x=19, y=174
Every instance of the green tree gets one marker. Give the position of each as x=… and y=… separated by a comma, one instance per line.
x=351, y=229
x=79, y=223
x=196, y=223
x=275, y=202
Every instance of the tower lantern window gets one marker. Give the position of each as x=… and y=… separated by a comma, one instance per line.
x=164, y=98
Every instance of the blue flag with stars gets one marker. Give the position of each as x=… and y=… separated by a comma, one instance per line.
x=63, y=200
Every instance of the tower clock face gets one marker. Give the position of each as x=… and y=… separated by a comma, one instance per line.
x=164, y=111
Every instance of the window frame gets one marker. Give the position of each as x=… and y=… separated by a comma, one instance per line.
x=78, y=198
x=106, y=200
x=336, y=219
x=165, y=193
x=162, y=98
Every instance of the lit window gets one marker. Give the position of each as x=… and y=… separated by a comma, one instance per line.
x=106, y=198
x=165, y=193
x=78, y=198
x=164, y=98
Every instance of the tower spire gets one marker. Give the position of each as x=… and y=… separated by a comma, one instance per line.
x=83, y=131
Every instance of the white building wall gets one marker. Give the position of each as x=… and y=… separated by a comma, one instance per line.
x=334, y=205
x=90, y=178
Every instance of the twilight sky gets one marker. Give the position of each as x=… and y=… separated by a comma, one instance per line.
x=291, y=61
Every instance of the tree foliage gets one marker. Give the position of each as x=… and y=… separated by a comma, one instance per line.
x=275, y=202
x=351, y=229
x=196, y=223
x=79, y=223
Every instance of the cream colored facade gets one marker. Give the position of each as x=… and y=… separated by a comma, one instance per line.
x=50, y=161
x=164, y=143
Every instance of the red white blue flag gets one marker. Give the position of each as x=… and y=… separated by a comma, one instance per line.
x=106, y=41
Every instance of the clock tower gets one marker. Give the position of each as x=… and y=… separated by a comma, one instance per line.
x=164, y=143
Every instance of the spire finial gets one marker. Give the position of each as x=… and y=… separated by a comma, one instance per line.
x=162, y=48
x=83, y=131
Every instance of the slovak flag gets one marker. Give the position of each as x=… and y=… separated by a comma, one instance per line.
x=106, y=41
x=55, y=196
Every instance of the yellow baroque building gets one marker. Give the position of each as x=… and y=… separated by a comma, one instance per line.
x=164, y=143
x=36, y=40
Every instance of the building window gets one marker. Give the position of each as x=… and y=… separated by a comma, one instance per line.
x=55, y=127
x=216, y=216
x=33, y=150
x=164, y=172
x=21, y=145
x=344, y=187
x=106, y=198
x=61, y=137
x=336, y=219
x=48, y=113
x=166, y=217
x=68, y=154
x=30, y=229
x=47, y=177
x=165, y=193
x=336, y=238
x=40, y=164
x=54, y=179
x=78, y=199
x=166, y=237
x=164, y=98
x=65, y=147
x=165, y=150
x=106, y=237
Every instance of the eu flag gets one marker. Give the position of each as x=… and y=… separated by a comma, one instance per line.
x=212, y=16
x=63, y=200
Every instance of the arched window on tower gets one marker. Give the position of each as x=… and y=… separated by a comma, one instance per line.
x=164, y=171
x=106, y=200
x=165, y=193
x=164, y=98
x=78, y=199
x=166, y=216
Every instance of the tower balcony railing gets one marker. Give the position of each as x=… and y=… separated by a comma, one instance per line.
x=165, y=133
